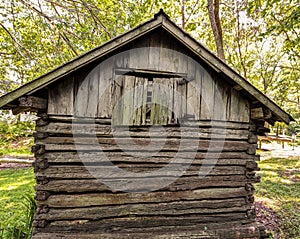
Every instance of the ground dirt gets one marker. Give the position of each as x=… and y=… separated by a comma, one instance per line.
x=268, y=218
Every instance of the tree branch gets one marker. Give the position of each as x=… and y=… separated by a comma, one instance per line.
x=62, y=34
x=18, y=45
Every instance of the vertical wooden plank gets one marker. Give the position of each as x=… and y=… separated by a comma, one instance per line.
x=154, y=51
x=244, y=109
x=234, y=108
x=170, y=99
x=207, y=99
x=92, y=93
x=116, y=100
x=105, y=88
x=194, y=93
x=144, y=102
x=80, y=96
x=183, y=91
x=121, y=60
x=168, y=59
x=155, y=106
x=158, y=110
x=140, y=100
x=177, y=100
x=156, y=98
x=191, y=68
x=222, y=92
x=180, y=101
x=228, y=102
x=164, y=101
x=239, y=107
x=139, y=54
x=61, y=97
x=181, y=55
x=128, y=100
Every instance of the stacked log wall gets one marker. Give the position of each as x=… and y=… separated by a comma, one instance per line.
x=70, y=200
x=73, y=203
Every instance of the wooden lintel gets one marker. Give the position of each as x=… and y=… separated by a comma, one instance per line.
x=147, y=72
x=33, y=102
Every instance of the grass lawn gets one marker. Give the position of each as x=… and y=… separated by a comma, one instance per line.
x=15, y=187
x=279, y=190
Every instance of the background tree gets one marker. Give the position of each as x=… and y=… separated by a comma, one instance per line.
x=213, y=7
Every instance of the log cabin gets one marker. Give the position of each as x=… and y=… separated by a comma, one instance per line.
x=149, y=135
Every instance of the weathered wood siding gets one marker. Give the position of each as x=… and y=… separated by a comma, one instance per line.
x=205, y=95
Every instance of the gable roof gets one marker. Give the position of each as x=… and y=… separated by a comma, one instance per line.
x=160, y=20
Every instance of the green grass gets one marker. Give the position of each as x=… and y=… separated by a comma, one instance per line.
x=279, y=189
x=17, y=148
x=16, y=185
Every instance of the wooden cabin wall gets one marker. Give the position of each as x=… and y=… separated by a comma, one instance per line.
x=72, y=202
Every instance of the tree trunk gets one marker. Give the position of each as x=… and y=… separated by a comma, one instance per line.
x=213, y=12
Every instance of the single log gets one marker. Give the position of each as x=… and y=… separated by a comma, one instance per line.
x=224, y=230
x=158, y=209
x=234, y=158
x=41, y=180
x=159, y=196
x=138, y=171
x=42, y=209
x=249, y=187
x=109, y=144
x=146, y=224
x=142, y=184
x=250, y=199
x=57, y=128
x=190, y=123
